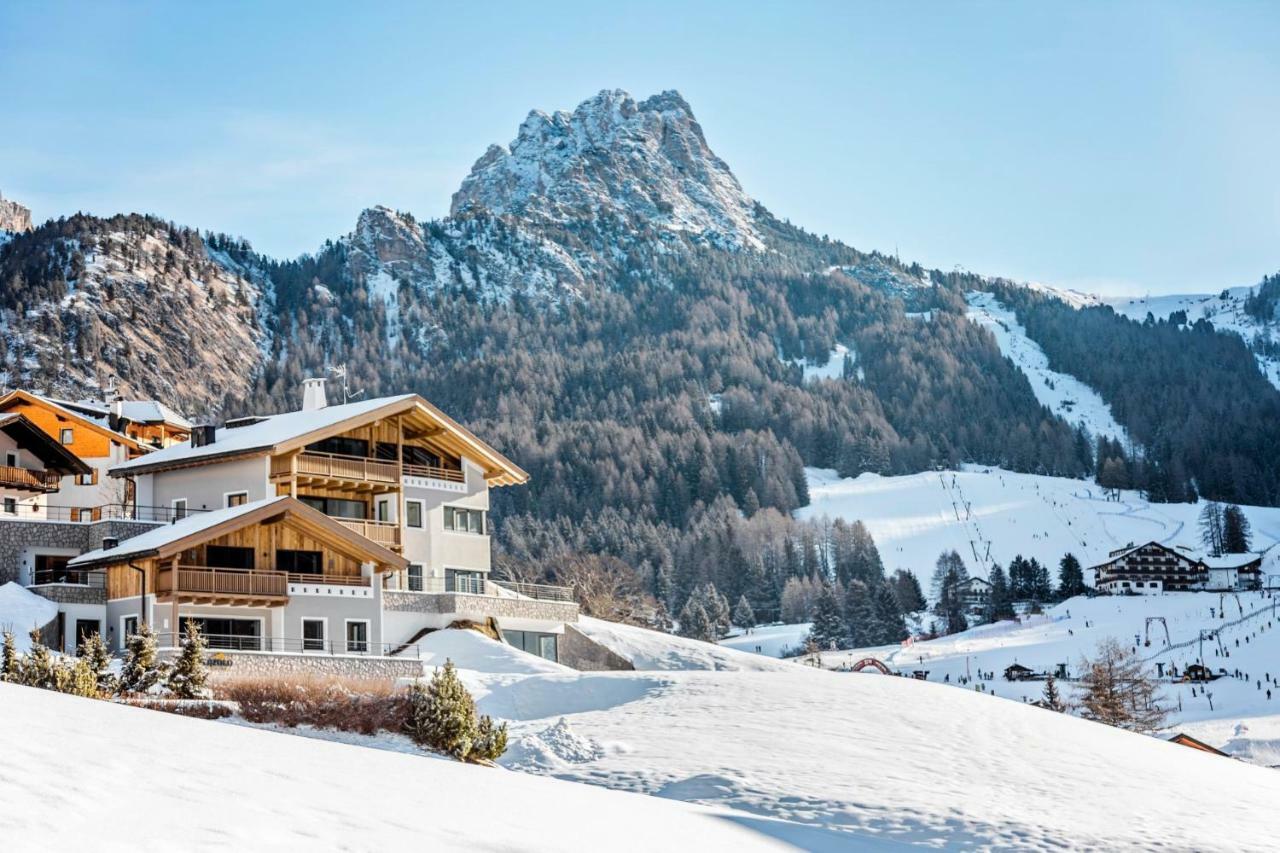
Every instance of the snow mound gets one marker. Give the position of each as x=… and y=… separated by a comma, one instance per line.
x=472, y=650
x=552, y=749
x=654, y=650
x=21, y=610
x=82, y=747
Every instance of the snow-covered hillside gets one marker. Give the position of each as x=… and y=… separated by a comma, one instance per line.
x=1063, y=394
x=989, y=514
x=1247, y=639
x=200, y=785
x=851, y=760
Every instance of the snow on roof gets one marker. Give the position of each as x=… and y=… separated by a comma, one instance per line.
x=21, y=610
x=262, y=435
x=155, y=539
x=151, y=412
x=79, y=410
x=1230, y=561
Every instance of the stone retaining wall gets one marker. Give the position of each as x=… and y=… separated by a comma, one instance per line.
x=580, y=652
x=65, y=593
x=16, y=536
x=480, y=607
x=256, y=664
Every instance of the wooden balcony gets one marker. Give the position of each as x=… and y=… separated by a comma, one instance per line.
x=28, y=479
x=206, y=585
x=384, y=533
x=337, y=471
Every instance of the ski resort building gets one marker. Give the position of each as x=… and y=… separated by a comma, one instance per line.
x=975, y=594
x=1154, y=568
x=338, y=530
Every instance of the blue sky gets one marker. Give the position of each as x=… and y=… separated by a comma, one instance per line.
x=1123, y=147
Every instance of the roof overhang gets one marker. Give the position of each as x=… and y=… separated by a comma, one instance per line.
x=51, y=452
x=19, y=395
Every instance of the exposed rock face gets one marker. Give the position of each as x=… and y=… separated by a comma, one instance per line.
x=14, y=217
x=644, y=164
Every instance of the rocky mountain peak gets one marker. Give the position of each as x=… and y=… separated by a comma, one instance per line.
x=644, y=164
x=13, y=216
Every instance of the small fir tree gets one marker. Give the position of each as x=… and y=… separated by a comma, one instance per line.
x=1052, y=700
x=490, y=741
x=38, y=667
x=188, y=676
x=141, y=671
x=442, y=715
x=94, y=651
x=743, y=616
x=10, y=662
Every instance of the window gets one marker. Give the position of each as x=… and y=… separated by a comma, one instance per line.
x=130, y=627
x=415, y=577
x=341, y=445
x=89, y=479
x=86, y=516
x=533, y=642
x=67, y=435
x=232, y=634
x=237, y=498
x=357, y=636
x=313, y=635
x=228, y=557
x=464, y=520
x=456, y=580
x=179, y=508
x=86, y=628
x=299, y=562
x=413, y=513
x=51, y=568
x=11, y=459
x=384, y=510
x=337, y=507
x=11, y=506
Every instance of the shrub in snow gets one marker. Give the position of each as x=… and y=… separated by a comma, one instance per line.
x=38, y=668
x=442, y=716
x=188, y=676
x=1052, y=699
x=141, y=670
x=94, y=651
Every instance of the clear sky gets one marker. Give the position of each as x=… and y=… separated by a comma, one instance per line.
x=1123, y=147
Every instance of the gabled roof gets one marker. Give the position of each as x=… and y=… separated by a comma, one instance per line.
x=1231, y=561
x=80, y=418
x=295, y=430
x=30, y=437
x=196, y=529
x=1183, y=739
x=152, y=412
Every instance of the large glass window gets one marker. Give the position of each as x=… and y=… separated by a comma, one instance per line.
x=228, y=557
x=341, y=445
x=358, y=637
x=464, y=520
x=457, y=580
x=413, y=513
x=234, y=634
x=313, y=635
x=299, y=562
x=337, y=507
x=534, y=642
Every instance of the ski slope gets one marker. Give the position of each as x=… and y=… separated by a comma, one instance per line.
x=1247, y=639
x=1061, y=393
x=990, y=514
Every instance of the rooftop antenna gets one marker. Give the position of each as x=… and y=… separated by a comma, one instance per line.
x=340, y=372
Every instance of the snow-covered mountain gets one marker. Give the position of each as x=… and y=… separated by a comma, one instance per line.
x=640, y=165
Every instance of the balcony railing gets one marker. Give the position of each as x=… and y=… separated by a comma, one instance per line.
x=482, y=586
x=339, y=467
x=203, y=580
x=293, y=645
x=90, y=514
x=540, y=591
x=25, y=478
x=69, y=577
x=328, y=580
x=435, y=472
x=384, y=533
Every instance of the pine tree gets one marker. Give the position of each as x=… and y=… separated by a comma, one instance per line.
x=1118, y=691
x=890, y=626
x=188, y=675
x=1041, y=585
x=1212, y=522
x=442, y=715
x=828, y=626
x=694, y=622
x=141, y=671
x=490, y=741
x=10, y=663
x=38, y=667
x=716, y=607
x=743, y=616
x=860, y=615
x=950, y=604
x=94, y=651
x=906, y=588
x=1051, y=699
x=1070, y=577
x=1000, y=602
x=1236, y=532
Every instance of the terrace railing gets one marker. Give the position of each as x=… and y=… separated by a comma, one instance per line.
x=204, y=580
x=341, y=467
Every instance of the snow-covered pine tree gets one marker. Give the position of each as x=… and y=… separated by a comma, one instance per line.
x=1070, y=577
x=490, y=742
x=743, y=616
x=141, y=670
x=188, y=675
x=694, y=622
x=442, y=715
x=38, y=666
x=1052, y=700
x=717, y=610
x=94, y=651
x=10, y=662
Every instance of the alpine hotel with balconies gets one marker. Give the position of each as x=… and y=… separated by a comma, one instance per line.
x=345, y=529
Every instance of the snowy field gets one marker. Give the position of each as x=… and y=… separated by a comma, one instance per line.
x=211, y=786
x=990, y=514
x=851, y=760
x=1061, y=393
x=771, y=640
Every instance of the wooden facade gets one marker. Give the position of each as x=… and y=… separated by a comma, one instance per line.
x=89, y=440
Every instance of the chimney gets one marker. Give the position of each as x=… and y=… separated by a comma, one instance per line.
x=109, y=542
x=313, y=394
x=203, y=434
